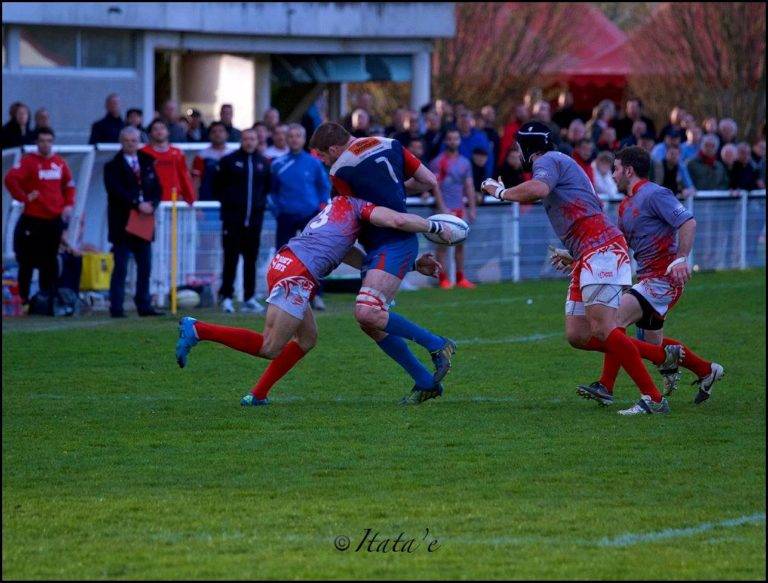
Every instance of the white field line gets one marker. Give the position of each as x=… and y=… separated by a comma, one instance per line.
x=630, y=539
x=70, y=324
x=509, y=339
x=175, y=537
x=287, y=399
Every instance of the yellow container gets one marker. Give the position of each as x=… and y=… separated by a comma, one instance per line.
x=97, y=269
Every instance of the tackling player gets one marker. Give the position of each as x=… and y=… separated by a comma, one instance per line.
x=293, y=278
x=381, y=171
x=651, y=219
x=601, y=270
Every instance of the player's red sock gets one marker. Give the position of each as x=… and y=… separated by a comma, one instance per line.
x=443, y=276
x=459, y=275
x=282, y=363
x=240, y=339
x=691, y=360
x=628, y=355
x=611, y=366
x=653, y=352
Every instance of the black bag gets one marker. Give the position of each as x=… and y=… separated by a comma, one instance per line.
x=41, y=304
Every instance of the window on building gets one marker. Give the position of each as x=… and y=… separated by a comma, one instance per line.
x=111, y=49
x=48, y=46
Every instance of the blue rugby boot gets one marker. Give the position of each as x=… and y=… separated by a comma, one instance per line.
x=251, y=401
x=596, y=391
x=187, y=339
x=441, y=358
x=419, y=395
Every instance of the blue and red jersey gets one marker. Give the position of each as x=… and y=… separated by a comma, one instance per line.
x=375, y=169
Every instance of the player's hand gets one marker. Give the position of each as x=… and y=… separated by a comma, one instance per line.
x=560, y=259
x=679, y=273
x=428, y=265
x=493, y=187
x=146, y=208
x=32, y=195
x=66, y=213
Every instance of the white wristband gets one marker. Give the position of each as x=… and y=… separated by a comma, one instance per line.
x=677, y=261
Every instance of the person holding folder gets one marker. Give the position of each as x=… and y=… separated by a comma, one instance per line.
x=133, y=191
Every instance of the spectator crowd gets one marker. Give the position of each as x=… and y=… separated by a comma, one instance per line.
x=274, y=170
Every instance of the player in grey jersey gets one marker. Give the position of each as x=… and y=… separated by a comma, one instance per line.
x=290, y=330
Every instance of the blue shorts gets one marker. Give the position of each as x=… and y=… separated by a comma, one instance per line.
x=397, y=257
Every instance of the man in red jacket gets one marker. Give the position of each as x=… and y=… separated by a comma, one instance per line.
x=43, y=182
x=170, y=164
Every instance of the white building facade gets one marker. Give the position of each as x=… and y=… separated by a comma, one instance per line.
x=67, y=57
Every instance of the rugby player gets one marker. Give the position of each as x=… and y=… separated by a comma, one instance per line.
x=381, y=171
x=601, y=260
x=293, y=278
x=652, y=219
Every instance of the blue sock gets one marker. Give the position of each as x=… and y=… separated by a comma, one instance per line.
x=404, y=328
x=396, y=348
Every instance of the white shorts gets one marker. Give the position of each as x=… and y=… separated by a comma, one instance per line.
x=659, y=293
x=291, y=286
x=599, y=277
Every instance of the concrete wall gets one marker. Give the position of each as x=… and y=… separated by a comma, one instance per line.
x=313, y=19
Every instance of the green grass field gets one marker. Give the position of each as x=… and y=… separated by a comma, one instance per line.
x=117, y=464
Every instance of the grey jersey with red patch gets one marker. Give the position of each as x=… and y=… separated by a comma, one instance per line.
x=649, y=219
x=573, y=207
x=325, y=240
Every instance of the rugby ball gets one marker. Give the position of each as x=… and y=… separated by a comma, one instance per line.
x=187, y=298
x=458, y=226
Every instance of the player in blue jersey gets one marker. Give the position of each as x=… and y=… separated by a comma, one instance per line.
x=381, y=171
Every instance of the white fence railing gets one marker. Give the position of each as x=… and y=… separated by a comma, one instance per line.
x=508, y=241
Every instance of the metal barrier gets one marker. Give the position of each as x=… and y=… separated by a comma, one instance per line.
x=508, y=242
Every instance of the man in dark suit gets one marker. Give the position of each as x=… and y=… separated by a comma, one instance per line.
x=242, y=183
x=107, y=129
x=132, y=184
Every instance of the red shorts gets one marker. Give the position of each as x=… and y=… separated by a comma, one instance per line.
x=291, y=285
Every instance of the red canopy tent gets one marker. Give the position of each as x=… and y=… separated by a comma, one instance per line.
x=597, y=67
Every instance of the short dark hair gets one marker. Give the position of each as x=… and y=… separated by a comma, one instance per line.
x=329, y=134
x=257, y=124
x=154, y=122
x=451, y=131
x=134, y=110
x=217, y=123
x=44, y=130
x=412, y=140
x=636, y=158
x=479, y=151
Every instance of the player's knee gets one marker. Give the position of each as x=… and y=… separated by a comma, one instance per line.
x=307, y=341
x=371, y=310
x=270, y=350
x=576, y=338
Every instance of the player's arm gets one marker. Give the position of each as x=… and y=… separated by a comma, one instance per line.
x=678, y=270
x=421, y=181
x=469, y=192
x=529, y=191
x=386, y=217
